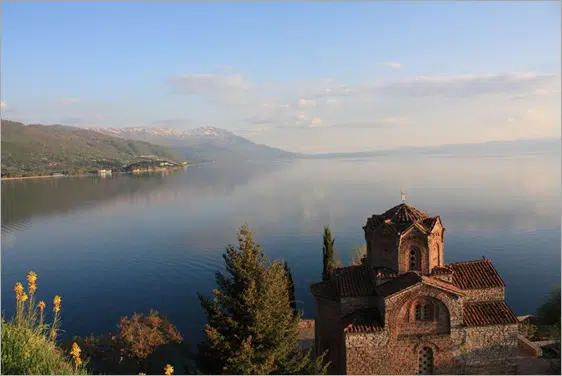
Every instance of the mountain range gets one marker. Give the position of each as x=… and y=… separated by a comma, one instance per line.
x=204, y=144
x=36, y=149
x=40, y=149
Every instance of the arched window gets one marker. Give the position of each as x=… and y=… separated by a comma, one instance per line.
x=425, y=312
x=418, y=312
x=414, y=259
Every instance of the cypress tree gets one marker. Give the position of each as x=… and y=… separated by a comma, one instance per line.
x=251, y=327
x=291, y=287
x=328, y=257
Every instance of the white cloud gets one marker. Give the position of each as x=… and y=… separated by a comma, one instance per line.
x=390, y=64
x=3, y=104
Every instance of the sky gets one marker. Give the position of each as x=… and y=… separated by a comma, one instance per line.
x=306, y=77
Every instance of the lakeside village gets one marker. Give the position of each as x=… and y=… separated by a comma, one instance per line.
x=397, y=309
x=134, y=168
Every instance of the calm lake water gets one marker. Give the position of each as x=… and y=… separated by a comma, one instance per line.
x=123, y=244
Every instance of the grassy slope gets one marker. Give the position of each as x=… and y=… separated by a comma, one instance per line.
x=28, y=150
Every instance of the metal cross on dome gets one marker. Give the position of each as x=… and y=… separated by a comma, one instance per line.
x=403, y=194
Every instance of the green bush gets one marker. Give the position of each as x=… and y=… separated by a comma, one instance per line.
x=27, y=351
x=29, y=343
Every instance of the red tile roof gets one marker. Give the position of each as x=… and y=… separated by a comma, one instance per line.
x=364, y=321
x=442, y=284
x=441, y=270
x=478, y=274
x=398, y=284
x=488, y=313
x=357, y=280
x=324, y=290
x=400, y=218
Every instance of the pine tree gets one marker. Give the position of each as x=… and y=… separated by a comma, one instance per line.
x=291, y=287
x=251, y=328
x=328, y=256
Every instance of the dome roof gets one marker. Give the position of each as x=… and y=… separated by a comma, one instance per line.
x=400, y=218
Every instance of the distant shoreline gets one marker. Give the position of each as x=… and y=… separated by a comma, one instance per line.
x=34, y=177
x=91, y=174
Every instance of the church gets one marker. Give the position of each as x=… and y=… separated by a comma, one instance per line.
x=404, y=311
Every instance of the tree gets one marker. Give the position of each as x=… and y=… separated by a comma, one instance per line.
x=251, y=327
x=328, y=257
x=549, y=313
x=291, y=288
x=357, y=254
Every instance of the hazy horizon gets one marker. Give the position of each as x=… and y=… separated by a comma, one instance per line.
x=302, y=77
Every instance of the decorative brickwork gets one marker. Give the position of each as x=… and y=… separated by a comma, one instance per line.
x=403, y=311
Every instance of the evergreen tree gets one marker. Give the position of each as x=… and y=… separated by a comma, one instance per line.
x=251, y=328
x=328, y=256
x=291, y=287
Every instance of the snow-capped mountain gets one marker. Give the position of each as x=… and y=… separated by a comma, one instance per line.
x=205, y=143
x=165, y=132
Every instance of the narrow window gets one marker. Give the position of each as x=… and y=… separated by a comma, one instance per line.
x=418, y=313
x=427, y=313
x=414, y=259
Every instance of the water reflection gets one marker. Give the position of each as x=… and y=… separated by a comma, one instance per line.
x=122, y=241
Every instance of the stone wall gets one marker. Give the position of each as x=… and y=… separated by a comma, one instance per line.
x=414, y=238
x=382, y=250
x=489, y=349
x=482, y=350
x=328, y=332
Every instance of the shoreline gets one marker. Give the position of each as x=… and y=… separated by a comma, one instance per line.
x=84, y=175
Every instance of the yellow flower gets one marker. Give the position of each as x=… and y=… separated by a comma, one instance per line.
x=32, y=278
x=168, y=370
x=19, y=291
x=32, y=289
x=23, y=297
x=41, y=305
x=75, y=352
x=56, y=303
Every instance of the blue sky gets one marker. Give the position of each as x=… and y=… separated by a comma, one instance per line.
x=329, y=76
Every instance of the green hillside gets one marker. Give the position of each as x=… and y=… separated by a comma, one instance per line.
x=40, y=150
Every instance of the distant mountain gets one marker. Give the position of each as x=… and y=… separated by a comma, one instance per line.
x=492, y=148
x=41, y=149
x=204, y=144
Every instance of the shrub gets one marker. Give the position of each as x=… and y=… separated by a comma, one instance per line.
x=140, y=335
x=131, y=350
x=28, y=342
x=528, y=330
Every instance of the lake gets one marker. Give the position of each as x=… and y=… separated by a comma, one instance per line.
x=122, y=244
